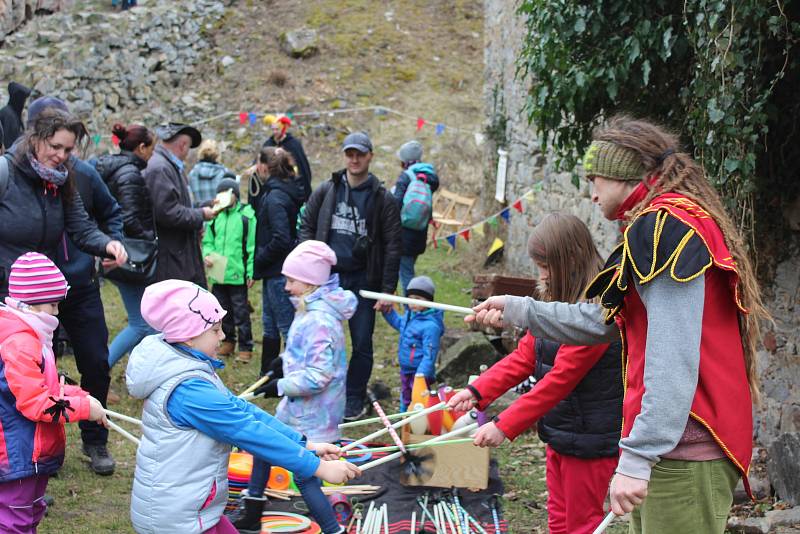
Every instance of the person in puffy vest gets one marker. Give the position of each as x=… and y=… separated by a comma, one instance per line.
x=33, y=405
x=577, y=397
x=415, y=238
x=190, y=420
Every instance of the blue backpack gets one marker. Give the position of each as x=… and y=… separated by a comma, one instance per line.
x=417, y=209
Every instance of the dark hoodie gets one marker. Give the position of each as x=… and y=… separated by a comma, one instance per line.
x=276, y=230
x=11, y=113
x=293, y=145
x=123, y=174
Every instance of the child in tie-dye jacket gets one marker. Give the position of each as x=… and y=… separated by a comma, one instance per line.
x=311, y=379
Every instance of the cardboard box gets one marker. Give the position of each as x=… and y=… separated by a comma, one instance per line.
x=461, y=465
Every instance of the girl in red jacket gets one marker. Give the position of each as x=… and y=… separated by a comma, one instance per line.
x=33, y=405
x=577, y=397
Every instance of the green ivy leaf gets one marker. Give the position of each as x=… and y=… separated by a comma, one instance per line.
x=731, y=165
x=646, y=71
x=580, y=26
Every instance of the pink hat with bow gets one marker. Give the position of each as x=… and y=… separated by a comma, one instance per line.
x=180, y=310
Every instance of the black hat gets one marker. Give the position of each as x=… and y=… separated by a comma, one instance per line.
x=167, y=132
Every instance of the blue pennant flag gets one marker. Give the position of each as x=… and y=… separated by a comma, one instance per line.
x=452, y=240
x=505, y=214
x=251, y=117
x=439, y=129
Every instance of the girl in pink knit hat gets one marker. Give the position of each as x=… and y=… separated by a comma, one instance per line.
x=191, y=420
x=33, y=402
x=309, y=377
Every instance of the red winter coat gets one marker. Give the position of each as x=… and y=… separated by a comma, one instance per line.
x=30, y=441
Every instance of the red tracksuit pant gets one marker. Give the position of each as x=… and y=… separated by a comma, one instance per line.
x=577, y=489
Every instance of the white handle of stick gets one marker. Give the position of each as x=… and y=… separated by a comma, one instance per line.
x=390, y=457
x=125, y=433
x=361, y=422
x=398, y=424
x=602, y=526
x=418, y=302
x=256, y=384
x=123, y=417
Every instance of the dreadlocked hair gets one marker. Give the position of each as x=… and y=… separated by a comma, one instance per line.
x=677, y=172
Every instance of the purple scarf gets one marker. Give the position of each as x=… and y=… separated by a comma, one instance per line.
x=57, y=176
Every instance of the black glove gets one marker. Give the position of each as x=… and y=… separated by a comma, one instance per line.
x=276, y=366
x=269, y=390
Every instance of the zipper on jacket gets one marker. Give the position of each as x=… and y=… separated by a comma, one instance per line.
x=43, y=209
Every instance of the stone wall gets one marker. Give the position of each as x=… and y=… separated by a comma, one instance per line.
x=124, y=65
x=504, y=102
x=14, y=13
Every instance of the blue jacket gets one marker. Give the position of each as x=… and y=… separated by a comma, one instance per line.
x=414, y=241
x=276, y=218
x=77, y=266
x=420, y=333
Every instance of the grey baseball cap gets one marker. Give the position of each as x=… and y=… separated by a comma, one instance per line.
x=172, y=129
x=358, y=140
x=410, y=152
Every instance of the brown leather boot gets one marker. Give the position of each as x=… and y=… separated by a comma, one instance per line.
x=244, y=356
x=225, y=349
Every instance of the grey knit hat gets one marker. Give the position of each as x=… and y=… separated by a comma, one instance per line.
x=410, y=152
x=421, y=286
x=613, y=161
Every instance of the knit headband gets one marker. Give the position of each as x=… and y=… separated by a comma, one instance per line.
x=613, y=161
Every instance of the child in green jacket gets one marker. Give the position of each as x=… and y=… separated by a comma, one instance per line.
x=228, y=249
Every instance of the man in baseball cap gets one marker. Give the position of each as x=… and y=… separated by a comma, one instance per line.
x=359, y=219
x=170, y=131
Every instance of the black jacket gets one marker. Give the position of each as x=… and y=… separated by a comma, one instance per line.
x=276, y=228
x=414, y=241
x=295, y=148
x=123, y=174
x=11, y=113
x=79, y=267
x=178, y=224
x=588, y=423
x=383, y=228
x=33, y=218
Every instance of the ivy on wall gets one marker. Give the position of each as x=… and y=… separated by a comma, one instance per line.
x=722, y=72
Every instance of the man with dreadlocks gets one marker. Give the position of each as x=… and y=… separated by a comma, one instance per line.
x=682, y=291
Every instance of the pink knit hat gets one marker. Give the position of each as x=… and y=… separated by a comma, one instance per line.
x=310, y=262
x=35, y=279
x=180, y=310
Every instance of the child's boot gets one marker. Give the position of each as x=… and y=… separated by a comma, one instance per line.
x=244, y=356
x=270, y=349
x=250, y=521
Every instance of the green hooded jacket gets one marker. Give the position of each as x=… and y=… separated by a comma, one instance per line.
x=225, y=235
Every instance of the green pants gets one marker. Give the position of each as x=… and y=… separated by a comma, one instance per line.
x=690, y=497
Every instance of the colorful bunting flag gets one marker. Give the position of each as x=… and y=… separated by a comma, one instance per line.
x=242, y=118
x=537, y=186
x=464, y=234
x=96, y=139
x=529, y=196
x=420, y=123
x=506, y=214
x=493, y=221
x=114, y=140
x=518, y=205
x=290, y=115
x=452, y=240
x=252, y=117
x=479, y=229
x=440, y=129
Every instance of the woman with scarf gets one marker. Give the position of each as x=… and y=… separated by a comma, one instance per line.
x=38, y=200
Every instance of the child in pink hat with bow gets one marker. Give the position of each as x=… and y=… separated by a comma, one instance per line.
x=191, y=420
x=309, y=377
x=33, y=404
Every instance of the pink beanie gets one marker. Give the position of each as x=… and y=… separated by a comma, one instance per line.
x=310, y=262
x=180, y=310
x=35, y=279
